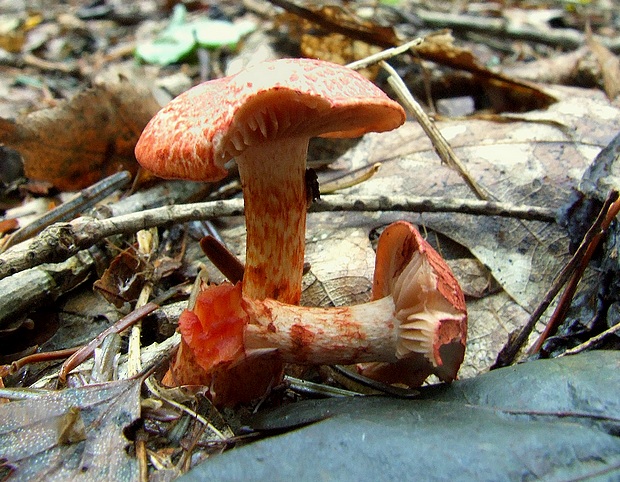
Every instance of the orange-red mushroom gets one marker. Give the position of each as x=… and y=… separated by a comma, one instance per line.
x=263, y=118
x=415, y=325
x=429, y=304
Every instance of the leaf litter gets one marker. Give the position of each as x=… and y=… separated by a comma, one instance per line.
x=529, y=145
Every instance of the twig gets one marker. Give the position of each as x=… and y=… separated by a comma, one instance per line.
x=569, y=39
x=441, y=146
x=41, y=357
x=384, y=54
x=32, y=288
x=350, y=179
x=222, y=258
x=160, y=393
x=46, y=65
x=312, y=389
x=509, y=352
x=374, y=384
x=60, y=241
x=118, y=327
x=87, y=350
x=591, y=241
x=148, y=241
x=86, y=199
x=592, y=342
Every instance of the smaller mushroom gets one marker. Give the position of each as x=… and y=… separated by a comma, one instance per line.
x=414, y=326
x=263, y=118
x=430, y=305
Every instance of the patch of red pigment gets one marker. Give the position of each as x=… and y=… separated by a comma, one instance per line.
x=214, y=329
x=301, y=340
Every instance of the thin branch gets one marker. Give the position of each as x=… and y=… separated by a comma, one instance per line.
x=63, y=240
x=84, y=200
x=87, y=350
x=385, y=54
x=509, y=352
x=593, y=342
x=349, y=179
x=591, y=240
x=566, y=38
x=440, y=144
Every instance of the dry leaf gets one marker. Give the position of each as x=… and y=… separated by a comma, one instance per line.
x=82, y=140
x=73, y=434
x=609, y=65
x=122, y=281
x=337, y=35
x=508, y=93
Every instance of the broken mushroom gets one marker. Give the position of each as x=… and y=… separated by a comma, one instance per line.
x=429, y=304
x=415, y=325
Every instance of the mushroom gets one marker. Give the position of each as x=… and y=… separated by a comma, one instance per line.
x=429, y=304
x=415, y=325
x=263, y=118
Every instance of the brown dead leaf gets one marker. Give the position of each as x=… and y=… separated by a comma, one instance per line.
x=334, y=19
x=507, y=93
x=122, y=281
x=337, y=48
x=8, y=225
x=332, y=33
x=84, y=139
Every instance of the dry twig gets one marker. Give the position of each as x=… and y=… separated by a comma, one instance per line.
x=570, y=273
x=60, y=241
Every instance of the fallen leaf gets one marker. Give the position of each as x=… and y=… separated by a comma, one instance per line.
x=506, y=93
x=122, y=281
x=84, y=139
x=73, y=434
x=335, y=34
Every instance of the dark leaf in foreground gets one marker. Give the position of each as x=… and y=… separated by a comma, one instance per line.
x=73, y=434
x=547, y=419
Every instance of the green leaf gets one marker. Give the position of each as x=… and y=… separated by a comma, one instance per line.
x=180, y=38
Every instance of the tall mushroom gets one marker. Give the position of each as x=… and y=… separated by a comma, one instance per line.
x=263, y=118
x=414, y=326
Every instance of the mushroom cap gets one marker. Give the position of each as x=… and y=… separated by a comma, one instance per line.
x=429, y=304
x=194, y=135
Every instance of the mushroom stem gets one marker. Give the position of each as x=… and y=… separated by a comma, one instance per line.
x=275, y=224
x=323, y=336
x=227, y=328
